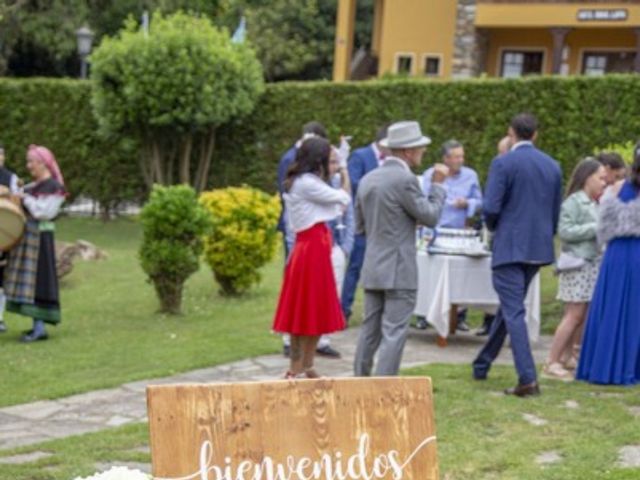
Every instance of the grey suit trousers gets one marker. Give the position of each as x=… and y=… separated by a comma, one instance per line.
x=385, y=329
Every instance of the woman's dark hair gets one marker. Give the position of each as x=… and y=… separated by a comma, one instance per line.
x=634, y=175
x=312, y=157
x=315, y=128
x=581, y=174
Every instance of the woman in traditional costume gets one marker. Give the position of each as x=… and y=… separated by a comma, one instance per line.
x=308, y=306
x=30, y=280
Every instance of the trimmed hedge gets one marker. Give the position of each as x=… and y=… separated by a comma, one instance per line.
x=577, y=116
x=57, y=113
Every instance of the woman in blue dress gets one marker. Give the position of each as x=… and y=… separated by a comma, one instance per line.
x=611, y=346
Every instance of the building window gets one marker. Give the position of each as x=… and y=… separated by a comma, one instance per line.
x=595, y=65
x=404, y=64
x=518, y=64
x=599, y=63
x=432, y=66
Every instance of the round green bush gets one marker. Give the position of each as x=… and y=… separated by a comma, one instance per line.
x=173, y=224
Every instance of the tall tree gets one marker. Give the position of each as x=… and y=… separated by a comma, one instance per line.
x=295, y=39
x=171, y=88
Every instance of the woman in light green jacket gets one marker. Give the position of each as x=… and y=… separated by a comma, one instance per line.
x=580, y=253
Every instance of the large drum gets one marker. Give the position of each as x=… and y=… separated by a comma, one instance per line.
x=12, y=221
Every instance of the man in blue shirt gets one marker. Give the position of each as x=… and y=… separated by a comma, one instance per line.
x=464, y=197
x=464, y=200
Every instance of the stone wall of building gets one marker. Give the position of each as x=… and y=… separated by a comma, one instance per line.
x=470, y=43
x=465, y=40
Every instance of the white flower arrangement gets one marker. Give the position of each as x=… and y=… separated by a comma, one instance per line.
x=118, y=473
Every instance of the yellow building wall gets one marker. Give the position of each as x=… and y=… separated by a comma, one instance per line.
x=520, y=39
x=615, y=39
x=525, y=15
x=578, y=40
x=417, y=27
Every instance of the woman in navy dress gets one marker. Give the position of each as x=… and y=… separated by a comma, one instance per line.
x=611, y=346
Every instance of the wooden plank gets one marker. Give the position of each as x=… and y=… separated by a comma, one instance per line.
x=326, y=429
x=453, y=319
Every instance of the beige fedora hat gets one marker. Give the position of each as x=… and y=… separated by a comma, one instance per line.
x=405, y=135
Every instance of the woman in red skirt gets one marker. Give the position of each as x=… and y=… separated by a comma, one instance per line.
x=308, y=306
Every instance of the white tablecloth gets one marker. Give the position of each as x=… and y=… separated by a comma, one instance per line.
x=444, y=280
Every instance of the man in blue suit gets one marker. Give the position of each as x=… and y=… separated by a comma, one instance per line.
x=521, y=206
x=361, y=162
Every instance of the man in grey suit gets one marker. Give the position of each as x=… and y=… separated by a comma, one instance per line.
x=389, y=205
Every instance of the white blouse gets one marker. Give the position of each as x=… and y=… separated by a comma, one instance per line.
x=312, y=201
x=43, y=207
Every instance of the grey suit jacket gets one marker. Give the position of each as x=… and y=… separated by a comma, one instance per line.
x=389, y=205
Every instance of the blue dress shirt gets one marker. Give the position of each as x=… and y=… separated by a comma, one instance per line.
x=463, y=185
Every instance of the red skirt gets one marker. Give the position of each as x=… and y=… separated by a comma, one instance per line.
x=309, y=303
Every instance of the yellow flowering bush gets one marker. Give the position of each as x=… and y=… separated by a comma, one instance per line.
x=243, y=237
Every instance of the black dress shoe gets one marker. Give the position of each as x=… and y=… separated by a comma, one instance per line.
x=483, y=331
x=462, y=326
x=421, y=323
x=3, y=327
x=286, y=350
x=479, y=376
x=34, y=337
x=527, y=390
x=328, y=352
x=486, y=326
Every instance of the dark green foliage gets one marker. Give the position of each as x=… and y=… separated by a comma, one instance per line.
x=173, y=224
x=57, y=114
x=576, y=116
x=170, y=88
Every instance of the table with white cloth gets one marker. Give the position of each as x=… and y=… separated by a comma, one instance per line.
x=446, y=282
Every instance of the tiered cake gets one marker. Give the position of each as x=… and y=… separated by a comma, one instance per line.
x=457, y=242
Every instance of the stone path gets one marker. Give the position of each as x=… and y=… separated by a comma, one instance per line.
x=93, y=411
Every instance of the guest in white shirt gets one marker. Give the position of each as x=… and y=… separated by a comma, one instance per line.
x=308, y=306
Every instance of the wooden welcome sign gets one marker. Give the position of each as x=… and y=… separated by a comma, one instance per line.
x=327, y=429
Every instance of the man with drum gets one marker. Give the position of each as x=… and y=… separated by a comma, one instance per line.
x=8, y=185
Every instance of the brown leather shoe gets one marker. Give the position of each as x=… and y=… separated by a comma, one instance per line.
x=527, y=390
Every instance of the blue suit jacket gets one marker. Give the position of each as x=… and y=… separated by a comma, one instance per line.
x=361, y=162
x=285, y=162
x=522, y=206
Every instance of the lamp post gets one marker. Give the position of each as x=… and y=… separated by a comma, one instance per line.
x=85, y=40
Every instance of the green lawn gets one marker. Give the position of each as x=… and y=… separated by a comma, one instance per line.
x=482, y=434
x=110, y=333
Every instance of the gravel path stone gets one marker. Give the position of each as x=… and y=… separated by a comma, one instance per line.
x=36, y=422
x=548, y=458
x=629, y=456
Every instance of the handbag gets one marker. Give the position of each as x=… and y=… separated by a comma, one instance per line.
x=567, y=262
